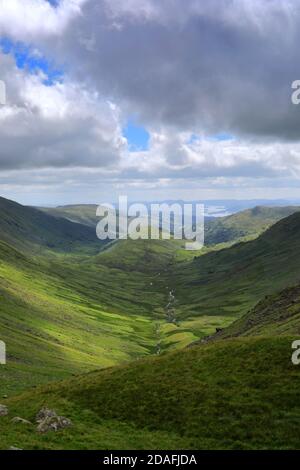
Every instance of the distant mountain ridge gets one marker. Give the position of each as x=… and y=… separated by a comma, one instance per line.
x=78, y=213
x=248, y=223
x=29, y=228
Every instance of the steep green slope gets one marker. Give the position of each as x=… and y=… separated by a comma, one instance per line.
x=239, y=394
x=30, y=229
x=58, y=317
x=68, y=313
x=277, y=314
x=249, y=223
x=233, y=280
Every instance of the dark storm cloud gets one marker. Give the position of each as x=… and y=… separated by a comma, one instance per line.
x=219, y=65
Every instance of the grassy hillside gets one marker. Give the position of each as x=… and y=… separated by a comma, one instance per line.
x=28, y=228
x=246, y=224
x=72, y=311
x=58, y=317
x=80, y=213
x=277, y=314
x=239, y=394
x=69, y=312
x=233, y=280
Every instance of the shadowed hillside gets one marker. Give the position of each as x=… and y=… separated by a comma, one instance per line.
x=29, y=228
x=79, y=213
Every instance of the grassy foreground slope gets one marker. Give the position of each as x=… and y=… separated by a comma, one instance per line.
x=238, y=394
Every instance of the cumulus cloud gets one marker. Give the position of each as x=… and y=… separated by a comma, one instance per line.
x=55, y=126
x=181, y=69
x=32, y=19
x=205, y=66
x=179, y=156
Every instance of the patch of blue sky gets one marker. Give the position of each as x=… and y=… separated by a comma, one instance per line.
x=55, y=3
x=223, y=136
x=29, y=59
x=137, y=137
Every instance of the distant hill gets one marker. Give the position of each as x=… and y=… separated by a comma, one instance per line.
x=29, y=228
x=79, y=213
x=249, y=223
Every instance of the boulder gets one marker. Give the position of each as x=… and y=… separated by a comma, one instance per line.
x=45, y=413
x=48, y=420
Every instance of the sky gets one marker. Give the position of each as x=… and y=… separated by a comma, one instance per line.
x=154, y=99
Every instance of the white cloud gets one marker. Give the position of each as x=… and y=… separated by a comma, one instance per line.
x=198, y=68
x=29, y=19
x=59, y=126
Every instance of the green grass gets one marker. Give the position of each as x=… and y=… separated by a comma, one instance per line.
x=69, y=306
x=32, y=230
x=276, y=314
x=68, y=313
x=231, y=281
x=58, y=317
x=63, y=313
x=238, y=394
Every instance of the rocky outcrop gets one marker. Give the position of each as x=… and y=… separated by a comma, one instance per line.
x=48, y=420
